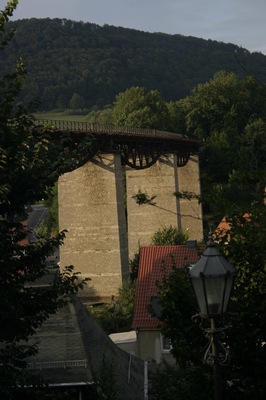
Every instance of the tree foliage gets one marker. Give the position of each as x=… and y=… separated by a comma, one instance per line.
x=168, y=235
x=229, y=115
x=246, y=338
x=141, y=108
x=65, y=57
x=52, y=204
x=118, y=316
x=243, y=378
x=30, y=164
x=103, y=117
x=169, y=382
x=134, y=265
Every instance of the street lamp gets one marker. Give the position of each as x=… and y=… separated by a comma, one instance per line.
x=212, y=279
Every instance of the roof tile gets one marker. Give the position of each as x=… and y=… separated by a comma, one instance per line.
x=155, y=262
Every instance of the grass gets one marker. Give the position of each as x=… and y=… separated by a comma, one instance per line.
x=57, y=116
x=97, y=308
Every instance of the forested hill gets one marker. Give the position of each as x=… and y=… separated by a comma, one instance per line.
x=64, y=57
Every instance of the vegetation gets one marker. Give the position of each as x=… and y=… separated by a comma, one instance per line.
x=30, y=164
x=134, y=265
x=52, y=204
x=229, y=114
x=243, y=377
x=141, y=108
x=42, y=234
x=75, y=64
x=67, y=115
x=103, y=117
x=169, y=235
x=118, y=316
x=81, y=65
x=168, y=382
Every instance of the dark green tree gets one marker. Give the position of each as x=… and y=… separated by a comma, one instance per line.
x=76, y=102
x=240, y=197
x=30, y=164
x=118, y=316
x=228, y=114
x=134, y=265
x=52, y=204
x=169, y=235
x=246, y=251
x=141, y=108
x=243, y=377
x=103, y=117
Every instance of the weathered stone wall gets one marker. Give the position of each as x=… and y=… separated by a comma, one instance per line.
x=162, y=180
x=91, y=208
x=190, y=210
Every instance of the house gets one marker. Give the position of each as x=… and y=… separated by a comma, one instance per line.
x=73, y=349
x=155, y=262
x=223, y=229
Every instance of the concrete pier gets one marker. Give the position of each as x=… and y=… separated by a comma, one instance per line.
x=162, y=180
x=91, y=208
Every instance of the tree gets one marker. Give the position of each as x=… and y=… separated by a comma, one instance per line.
x=246, y=251
x=118, y=316
x=76, y=102
x=225, y=113
x=243, y=378
x=190, y=376
x=42, y=233
x=134, y=265
x=103, y=117
x=52, y=204
x=30, y=164
x=140, y=108
x=169, y=235
x=223, y=103
x=241, y=199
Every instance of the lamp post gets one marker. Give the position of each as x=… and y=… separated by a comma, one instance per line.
x=212, y=279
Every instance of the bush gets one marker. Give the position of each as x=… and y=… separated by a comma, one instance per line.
x=169, y=236
x=118, y=317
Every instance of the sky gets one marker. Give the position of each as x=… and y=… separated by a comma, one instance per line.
x=241, y=22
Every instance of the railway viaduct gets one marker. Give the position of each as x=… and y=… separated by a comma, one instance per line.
x=102, y=237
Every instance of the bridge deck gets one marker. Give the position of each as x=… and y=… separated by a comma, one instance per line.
x=139, y=148
x=110, y=130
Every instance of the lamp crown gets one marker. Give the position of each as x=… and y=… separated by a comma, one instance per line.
x=211, y=242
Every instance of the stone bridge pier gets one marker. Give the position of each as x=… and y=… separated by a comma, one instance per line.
x=100, y=241
x=91, y=209
x=162, y=180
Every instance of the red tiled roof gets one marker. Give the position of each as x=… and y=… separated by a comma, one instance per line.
x=222, y=229
x=155, y=262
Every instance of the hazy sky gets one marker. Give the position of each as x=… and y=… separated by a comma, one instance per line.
x=242, y=22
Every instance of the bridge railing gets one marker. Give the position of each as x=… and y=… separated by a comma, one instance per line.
x=92, y=127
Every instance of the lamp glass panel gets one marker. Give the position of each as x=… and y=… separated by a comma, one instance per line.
x=199, y=292
x=229, y=284
x=214, y=292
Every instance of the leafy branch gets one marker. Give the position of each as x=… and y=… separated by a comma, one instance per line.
x=143, y=198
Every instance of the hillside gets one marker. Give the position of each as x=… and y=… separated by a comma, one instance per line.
x=64, y=57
